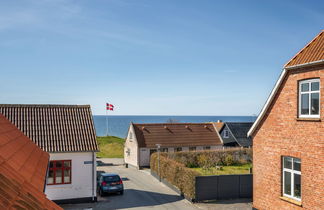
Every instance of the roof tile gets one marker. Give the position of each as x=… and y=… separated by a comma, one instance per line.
x=313, y=51
x=54, y=128
x=21, y=179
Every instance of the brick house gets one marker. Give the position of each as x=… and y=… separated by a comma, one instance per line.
x=288, y=136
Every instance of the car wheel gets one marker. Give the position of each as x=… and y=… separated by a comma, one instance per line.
x=121, y=192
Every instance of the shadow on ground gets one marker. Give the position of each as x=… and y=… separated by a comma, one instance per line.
x=132, y=198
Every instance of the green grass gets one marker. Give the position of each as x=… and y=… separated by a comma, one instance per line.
x=241, y=169
x=110, y=147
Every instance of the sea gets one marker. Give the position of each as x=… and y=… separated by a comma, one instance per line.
x=118, y=124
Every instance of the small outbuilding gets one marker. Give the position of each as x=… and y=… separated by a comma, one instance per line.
x=142, y=140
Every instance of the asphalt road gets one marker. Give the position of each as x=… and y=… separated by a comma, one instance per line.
x=142, y=191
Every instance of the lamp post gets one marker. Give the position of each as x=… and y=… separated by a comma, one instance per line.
x=158, y=150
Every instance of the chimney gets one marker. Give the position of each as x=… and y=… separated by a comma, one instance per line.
x=219, y=121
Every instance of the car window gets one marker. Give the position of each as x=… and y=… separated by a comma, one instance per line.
x=111, y=178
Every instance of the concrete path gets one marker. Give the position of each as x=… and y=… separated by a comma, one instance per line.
x=142, y=191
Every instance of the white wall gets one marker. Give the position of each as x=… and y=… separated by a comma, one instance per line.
x=82, y=177
x=131, y=144
x=144, y=157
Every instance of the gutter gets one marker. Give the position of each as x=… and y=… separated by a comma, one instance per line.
x=93, y=179
x=275, y=90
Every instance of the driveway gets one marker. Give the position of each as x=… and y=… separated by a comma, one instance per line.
x=142, y=191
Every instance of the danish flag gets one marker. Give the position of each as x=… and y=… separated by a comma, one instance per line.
x=109, y=107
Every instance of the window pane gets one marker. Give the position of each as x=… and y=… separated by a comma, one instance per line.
x=58, y=164
x=297, y=186
x=287, y=186
x=50, y=179
x=67, y=164
x=58, y=178
x=287, y=162
x=315, y=103
x=296, y=164
x=305, y=87
x=67, y=175
x=305, y=104
x=51, y=164
x=315, y=86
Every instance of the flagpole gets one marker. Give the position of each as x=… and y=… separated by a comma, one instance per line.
x=107, y=119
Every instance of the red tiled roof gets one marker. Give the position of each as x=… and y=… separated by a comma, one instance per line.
x=23, y=167
x=313, y=51
x=218, y=125
x=54, y=128
x=176, y=134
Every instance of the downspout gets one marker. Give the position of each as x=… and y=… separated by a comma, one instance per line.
x=93, y=180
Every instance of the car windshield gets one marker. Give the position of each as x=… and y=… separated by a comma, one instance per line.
x=111, y=178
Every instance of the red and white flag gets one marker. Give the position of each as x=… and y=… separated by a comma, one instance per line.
x=109, y=107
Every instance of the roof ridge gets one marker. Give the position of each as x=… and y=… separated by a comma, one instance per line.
x=169, y=123
x=46, y=105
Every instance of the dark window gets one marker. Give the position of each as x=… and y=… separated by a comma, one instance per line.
x=192, y=148
x=178, y=149
x=59, y=172
x=111, y=179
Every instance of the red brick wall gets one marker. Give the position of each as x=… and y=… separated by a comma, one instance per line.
x=280, y=134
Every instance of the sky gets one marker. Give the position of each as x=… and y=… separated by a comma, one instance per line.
x=151, y=57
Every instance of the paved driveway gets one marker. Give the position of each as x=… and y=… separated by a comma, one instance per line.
x=142, y=191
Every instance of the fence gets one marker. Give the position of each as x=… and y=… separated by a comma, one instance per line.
x=223, y=187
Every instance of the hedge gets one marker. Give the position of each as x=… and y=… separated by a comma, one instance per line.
x=212, y=158
x=175, y=173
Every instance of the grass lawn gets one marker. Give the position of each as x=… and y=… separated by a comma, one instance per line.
x=111, y=147
x=242, y=169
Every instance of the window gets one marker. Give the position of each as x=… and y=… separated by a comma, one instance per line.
x=291, y=178
x=207, y=148
x=59, y=172
x=192, y=148
x=309, y=98
x=128, y=151
x=164, y=149
x=226, y=135
x=178, y=149
x=152, y=151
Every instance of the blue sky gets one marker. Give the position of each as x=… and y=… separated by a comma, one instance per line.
x=166, y=57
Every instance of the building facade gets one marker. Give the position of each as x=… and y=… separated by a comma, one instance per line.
x=288, y=136
x=142, y=140
x=67, y=133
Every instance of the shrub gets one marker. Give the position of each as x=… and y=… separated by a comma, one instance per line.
x=213, y=158
x=176, y=173
x=229, y=160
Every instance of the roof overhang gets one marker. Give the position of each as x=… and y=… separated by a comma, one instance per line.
x=275, y=90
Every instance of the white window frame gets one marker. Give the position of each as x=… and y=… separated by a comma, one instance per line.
x=309, y=92
x=226, y=134
x=292, y=172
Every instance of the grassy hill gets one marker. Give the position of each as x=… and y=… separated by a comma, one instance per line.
x=111, y=147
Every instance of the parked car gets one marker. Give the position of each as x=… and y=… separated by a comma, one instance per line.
x=110, y=183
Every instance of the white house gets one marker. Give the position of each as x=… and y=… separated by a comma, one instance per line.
x=67, y=133
x=142, y=140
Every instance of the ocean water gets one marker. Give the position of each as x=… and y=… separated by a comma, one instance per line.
x=118, y=125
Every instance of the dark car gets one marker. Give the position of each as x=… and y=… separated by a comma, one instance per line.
x=109, y=183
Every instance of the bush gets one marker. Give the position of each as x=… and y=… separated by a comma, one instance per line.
x=213, y=158
x=229, y=160
x=176, y=173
